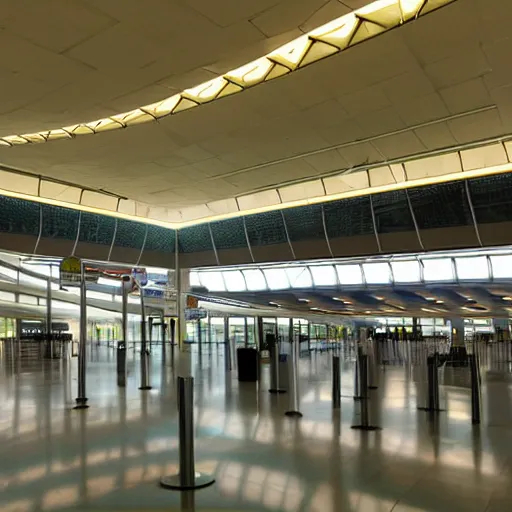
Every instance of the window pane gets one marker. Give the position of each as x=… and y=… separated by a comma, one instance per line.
x=392, y=213
x=7, y=296
x=452, y=208
x=28, y=299
x=255, y=280
x=324, y=275
x=472, y=268
x=438, y=270
x=377, y=273
x=276, y=278
x=305, y=223
x=234, y=280
x=213, y=281
x=501, y=266
x=406, y=271
x=299, y=277
x=8, y=272
x=349, y=274
x=194, y=279
x=98, y=295
x=33, y=281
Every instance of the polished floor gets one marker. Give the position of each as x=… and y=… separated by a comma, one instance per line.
x=112, y=455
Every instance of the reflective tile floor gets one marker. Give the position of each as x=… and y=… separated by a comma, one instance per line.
x=112, y=455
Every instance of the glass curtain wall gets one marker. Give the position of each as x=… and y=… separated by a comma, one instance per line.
x=7, y=328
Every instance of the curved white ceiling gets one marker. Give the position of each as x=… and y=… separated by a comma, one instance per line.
x=314, y=45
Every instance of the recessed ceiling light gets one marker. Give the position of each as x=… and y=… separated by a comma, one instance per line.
x=367, y=312
x=439, y=301
x=305, y=301
x=378, y=298
x=347, y=302
x=507, y=298
x=274, y=304
x=430, y=298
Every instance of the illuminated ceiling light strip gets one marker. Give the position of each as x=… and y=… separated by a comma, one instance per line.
x=333, y=37
x=421, y=182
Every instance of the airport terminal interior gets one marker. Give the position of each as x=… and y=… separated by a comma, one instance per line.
x=256, y=255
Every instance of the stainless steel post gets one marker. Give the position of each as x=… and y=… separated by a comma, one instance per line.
x=336, y=382
x=294, y=384
x=273, y=352
x=246, y=333
x=144, y=353
x=187, y=478
x=475, y=390
x=227, y=346
x=364, y=402
x=433, y=384
x=49, y=313
x=361, y=375
x=81, y=400
x=199, y=337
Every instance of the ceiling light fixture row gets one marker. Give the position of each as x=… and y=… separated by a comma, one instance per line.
x=333, y=37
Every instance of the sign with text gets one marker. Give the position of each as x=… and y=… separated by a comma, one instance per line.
x=195, y=314
x=70, y=271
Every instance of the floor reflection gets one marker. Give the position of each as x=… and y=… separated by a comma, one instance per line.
x=112, y=455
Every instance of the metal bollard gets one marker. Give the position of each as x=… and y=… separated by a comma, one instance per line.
x=187, y=478
x=274, y=368
x=144, y=369
x=475, y=389
x=336, y=382
x=433, y=385
x=365, y=416
x=361, y=376
x=294, y=385
x=373, y=370
x=121, y=364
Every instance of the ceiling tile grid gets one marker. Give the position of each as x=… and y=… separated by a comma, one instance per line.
x=389, y=89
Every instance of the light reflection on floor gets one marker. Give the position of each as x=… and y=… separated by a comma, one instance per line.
x=112, y=455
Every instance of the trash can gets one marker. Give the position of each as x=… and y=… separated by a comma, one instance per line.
x=247, y=359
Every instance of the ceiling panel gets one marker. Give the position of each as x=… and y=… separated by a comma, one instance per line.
x=377, y=101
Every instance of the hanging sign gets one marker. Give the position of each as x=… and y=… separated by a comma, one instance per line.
x=70, y=271
x=192, y=302
x=195, y=313
x=140, y=275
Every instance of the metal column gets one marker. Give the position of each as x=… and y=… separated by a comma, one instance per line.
x=227, y=347
x=144, y=353
x=49, y=320
x=293, y=409
x=81, y=400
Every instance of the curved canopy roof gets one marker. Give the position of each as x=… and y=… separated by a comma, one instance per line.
x=422, y=87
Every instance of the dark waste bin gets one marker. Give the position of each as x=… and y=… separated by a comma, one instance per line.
x=247, y=359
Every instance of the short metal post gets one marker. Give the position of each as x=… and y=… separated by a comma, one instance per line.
x=433, y=385
x=187, y=478
x=336, y=382
x=273, y=351
x=361, y=376
x=81, y=400
x=294, y=384
x=475, y=390
x=364, y=412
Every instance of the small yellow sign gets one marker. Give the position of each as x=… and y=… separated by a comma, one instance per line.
x=70, y=271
